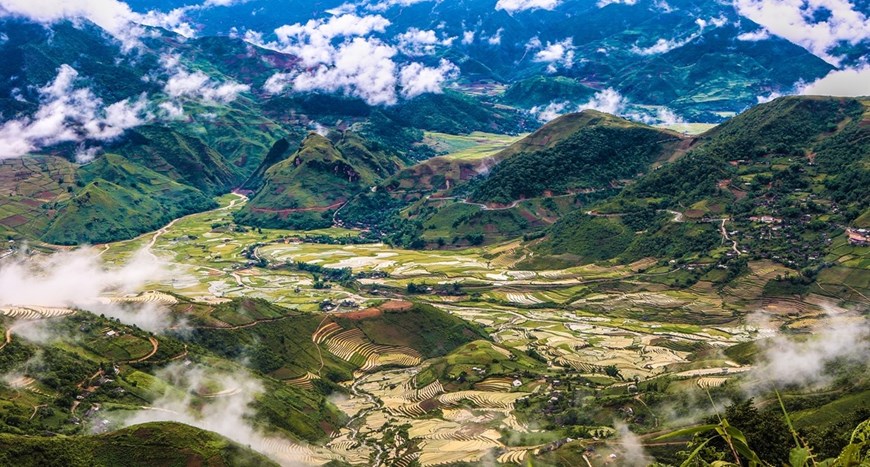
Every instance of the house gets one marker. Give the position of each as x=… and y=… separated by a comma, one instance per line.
x=766, y=219
x=858, y=237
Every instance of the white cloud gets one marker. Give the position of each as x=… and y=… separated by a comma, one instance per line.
x=114, y=16
x=312, y=41
x=612, y=102
x=768, y=98
x=666, y=45
x=512, y=6
x=417, y=42
x=342, y=55
x=549, y=112
x=196, y=85
x=387, y=4
x=361, y=67
x=604, y=3
x=417, y=79
x=468, y=37
x=67, y=114
x=607, y=101
x=851, y=82
x=628, y=448
x=753, y=36
x=793, y=21
x=78, y=279
x=554, y=53
x=223, y=2
x=785, y=360
x=277, y=83
x=495, y=39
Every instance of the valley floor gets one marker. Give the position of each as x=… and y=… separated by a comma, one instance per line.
x=602, y=335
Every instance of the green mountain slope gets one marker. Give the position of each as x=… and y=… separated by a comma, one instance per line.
x=605, y=150
x=302, y=190
x=150, y=444
x=781, y=181
x=285, y=349
x=542, y=90
x=180, y=157
x=121, y=199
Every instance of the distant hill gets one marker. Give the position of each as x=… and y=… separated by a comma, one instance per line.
x=458, y=201
x=780, y=181
x=304, y=189
x=150, y=444
x=603, y=151
x=543, y=90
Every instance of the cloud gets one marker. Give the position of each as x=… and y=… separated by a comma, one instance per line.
x=629, y=449
x=604, y=3
x=666, y=45
x=69, y=114
x=495, y=39
x=786, y=360
x=361, y=67
x=549, y=112
x=754, y=36
x=196, y=85
x=512, y=6
x=468, y=37
x=387, y=4
x=851, y=82
x=207, y=399
x=221, y=401
x=555, y=53
x=417, y=79
x=312, y=41
x=114, y=16
x=418, y=42
x=341, y=55
x=607, y=101
x=78, y=279
x=817, y=25
x=610, y=101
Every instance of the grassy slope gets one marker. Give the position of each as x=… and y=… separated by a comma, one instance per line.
x=121, y=199
x=300, y=190
x=541, y=90
x=150, y=444
x=603, y=150
x=804, y=146
x=285, y=350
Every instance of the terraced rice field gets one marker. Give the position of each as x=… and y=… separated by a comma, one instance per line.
x=353, y=346
x=151, y=296
x=34, y=312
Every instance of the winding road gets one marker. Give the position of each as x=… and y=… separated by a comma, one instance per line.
x=725, y=237
x=162, y=231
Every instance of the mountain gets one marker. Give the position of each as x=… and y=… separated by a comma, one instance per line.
x=542, y=90
x=523, y=188
x=303, y=190
x=147, y=444
x=119, y=199
x=607, y=149
x=786, y=177
x=700, y=59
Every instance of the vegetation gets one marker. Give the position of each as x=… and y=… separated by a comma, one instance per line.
x=169, y=444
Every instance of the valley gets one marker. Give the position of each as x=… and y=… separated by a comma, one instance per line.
x=418, y=233
x=616, y=339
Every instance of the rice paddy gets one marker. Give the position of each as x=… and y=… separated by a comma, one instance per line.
x=584, y=320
